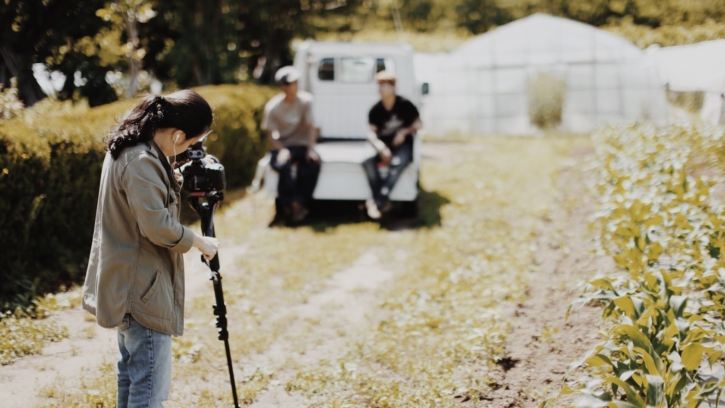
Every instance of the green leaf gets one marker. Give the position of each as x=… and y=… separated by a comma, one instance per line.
x=626, y=305
x=714, y=356
x=566, y=390
x=678, y=303
x=599, y=360
x=622, y=404
x=636, y=336
x=655, y=391
x=692, y=355
x=602, y=284
x=649, y=362
x=578, y=362
x=676, y=384
x=671, y=331
x=632, y=395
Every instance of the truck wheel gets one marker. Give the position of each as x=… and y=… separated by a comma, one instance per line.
x=409, y=209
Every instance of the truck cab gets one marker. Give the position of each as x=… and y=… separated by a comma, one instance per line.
x=340, y=77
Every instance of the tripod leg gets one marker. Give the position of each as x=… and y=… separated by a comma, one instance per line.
x=231, y=373
x=206, y=212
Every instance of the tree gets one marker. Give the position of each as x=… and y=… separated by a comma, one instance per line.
x=199, y=42
x=129, y=14
x=40, y=31
x=478, y=16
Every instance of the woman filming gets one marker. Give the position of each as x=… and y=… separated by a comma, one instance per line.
x=135, y=276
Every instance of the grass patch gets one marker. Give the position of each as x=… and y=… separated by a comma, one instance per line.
x=96, y=389
x=443, y=329
x=25, y=332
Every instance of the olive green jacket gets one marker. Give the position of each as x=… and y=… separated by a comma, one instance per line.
x=136, y=264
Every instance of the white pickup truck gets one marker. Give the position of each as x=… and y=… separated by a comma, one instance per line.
x=340, y=76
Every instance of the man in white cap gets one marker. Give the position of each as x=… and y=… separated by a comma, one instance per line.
x=292, y=134
x=394, y=122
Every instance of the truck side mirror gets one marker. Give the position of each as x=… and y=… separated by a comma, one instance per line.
x=425, y=89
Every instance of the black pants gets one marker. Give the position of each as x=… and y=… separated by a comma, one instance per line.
x=382, y=186
x=296, y=185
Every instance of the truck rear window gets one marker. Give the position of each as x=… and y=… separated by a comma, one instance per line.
x=326, y=71
x=356, y=70
x=353, y=70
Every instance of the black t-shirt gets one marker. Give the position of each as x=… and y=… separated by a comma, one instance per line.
x=389, y=122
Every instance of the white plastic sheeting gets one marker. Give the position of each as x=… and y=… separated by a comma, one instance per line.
x=482, y=87
x=694, y=67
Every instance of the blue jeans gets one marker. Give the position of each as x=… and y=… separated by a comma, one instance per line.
x=296, y=187
x=383, y=186
x=144, y=366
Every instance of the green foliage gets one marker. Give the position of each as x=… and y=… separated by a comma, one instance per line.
x=97, y=389
x=10, y=106
x=22, y=336
x=664, y=227
x=667, y=22
x=25, y=333
x=50, y=162
x=193, y=43
x=479, y=16
x=667, y=35
x=41, y=32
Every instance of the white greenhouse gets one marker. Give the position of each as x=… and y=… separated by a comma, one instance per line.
x=483, y=86
x=695, y=67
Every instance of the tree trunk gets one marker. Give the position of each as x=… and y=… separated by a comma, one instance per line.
x=28, y=89
x=202, y=57
x=4, y=75
x=196, y=70
x=134, y=65
x=69, y=86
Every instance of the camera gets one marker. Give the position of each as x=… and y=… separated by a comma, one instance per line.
x=203, y=173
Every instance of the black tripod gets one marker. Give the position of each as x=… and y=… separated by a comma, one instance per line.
x=206, y=212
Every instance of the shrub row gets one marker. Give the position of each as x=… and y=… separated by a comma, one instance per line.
x=50, y=162
x=663, y=224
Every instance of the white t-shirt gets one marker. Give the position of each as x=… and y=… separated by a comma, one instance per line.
x=292, y=121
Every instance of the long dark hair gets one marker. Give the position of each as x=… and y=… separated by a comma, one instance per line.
x=185, y=110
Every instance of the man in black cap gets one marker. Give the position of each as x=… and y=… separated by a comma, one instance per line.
x=292, y=134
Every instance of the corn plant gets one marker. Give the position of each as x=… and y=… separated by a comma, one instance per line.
x=663, y=304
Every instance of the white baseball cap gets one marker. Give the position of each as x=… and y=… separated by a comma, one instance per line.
x=287, y=75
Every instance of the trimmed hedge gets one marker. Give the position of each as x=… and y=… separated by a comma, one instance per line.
x=50, y=164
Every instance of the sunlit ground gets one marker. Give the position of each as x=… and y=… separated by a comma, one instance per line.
x=346, y=312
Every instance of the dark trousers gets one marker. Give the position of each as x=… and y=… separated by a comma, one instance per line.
x=382, y=186
x=297, y=177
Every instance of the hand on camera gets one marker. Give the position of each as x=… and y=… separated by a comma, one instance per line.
x=209, y=247
x=283, y=156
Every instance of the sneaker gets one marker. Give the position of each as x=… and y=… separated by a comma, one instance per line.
x=373, y=211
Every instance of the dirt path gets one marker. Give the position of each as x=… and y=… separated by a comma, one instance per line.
x=344, y=305
x=24, y=381
x=27, y=381
x=541, y=345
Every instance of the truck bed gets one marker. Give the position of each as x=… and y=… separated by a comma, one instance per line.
x=342, y=176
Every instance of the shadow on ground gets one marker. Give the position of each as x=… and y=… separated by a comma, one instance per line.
x=330, y=214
